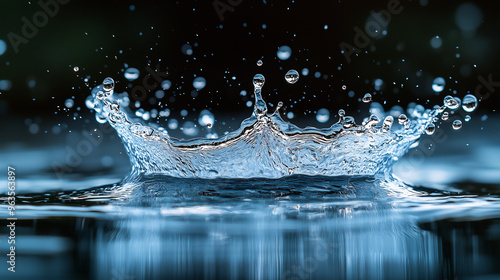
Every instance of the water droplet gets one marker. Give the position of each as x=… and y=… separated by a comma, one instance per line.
x=206, y=118
x=436, y=42
x=367, y=98
x=344, y=87
x=445, y=116
x=189, y=128
x=467, y=118
x=438, y=84
x=349, y=122
x=372, y=121
x=187, y=49
x=323, y=115
x=469, y=103
x=429, y=130
x=457, y=124
x=69, y=103
x=166, y=84
x=341, y=113
x=258, y=81
x=451, y=103
x=199, y=83
x=108, y=84
x=292, y=76
x=89, y=102
x=131, y=74
x=402, y=119
x=284, y=52
x=173, y=124
x=259, y=62
x=386, y=126
x=76, y=68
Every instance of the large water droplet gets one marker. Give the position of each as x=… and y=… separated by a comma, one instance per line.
x=108, y=84
x=131, y=74
x=469, y=103
x=258, y=81
x=284, y=52
x=451, y=103
x=199, y=83
x=367, y=98
x=438, y=84
x=323, y=115
x=457, y=124
x=292, y=76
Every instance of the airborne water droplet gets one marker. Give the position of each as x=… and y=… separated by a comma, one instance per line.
x=284, y=52
x=445, y=116
x=367, y=98
x=108, y=84
x=469, y=103
x=451, y=103
x=76, y=68
x=259, y=62
x=438, y=84
x=467, y=118
x=429, y=130
x=131, y=74
x=292, y=76
x=199, y=83
x=323, y=115
x=457, y=124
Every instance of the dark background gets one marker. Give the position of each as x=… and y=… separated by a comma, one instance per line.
x=91, y=34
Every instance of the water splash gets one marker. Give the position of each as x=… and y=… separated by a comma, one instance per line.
x=267, y=146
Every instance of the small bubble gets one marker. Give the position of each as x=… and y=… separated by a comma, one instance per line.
x=292, y=76
x=457, y=124
x=367, y=98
